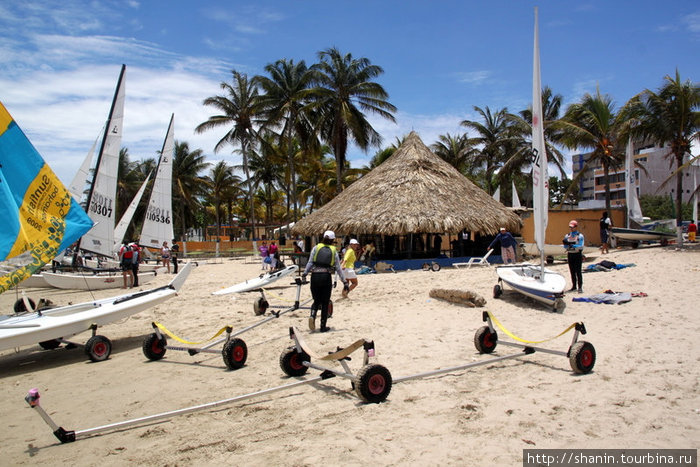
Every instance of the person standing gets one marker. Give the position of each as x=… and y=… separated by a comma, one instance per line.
x=508, y=245
x=273, y=252
x=264, y=253
x=605, y=224
x=165, y=256
x=125, y=263
x=348, y=265
x=135, y=260
x=174, y=250
x=692, y=231
x=573, y=243
x=323, y=262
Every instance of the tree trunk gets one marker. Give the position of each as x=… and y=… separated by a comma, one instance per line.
x=244, y=152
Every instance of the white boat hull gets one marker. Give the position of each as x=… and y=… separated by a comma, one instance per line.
x=258, y=282
x=63, y=322
x=554, y=250
x=92, y=282
x=640, y=235
x=35, y=281
x=526, y=279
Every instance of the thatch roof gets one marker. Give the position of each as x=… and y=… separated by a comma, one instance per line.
x=413, y=191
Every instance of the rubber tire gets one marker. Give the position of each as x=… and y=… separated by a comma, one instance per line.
x=21, y=308
x=154, y=348
x=373, y=383
x=485, y=341
x=98, y=348
x=260, y=306
x=435, y=267
x=50, y=344
x=559, y=305
x=235, y=353
x=290, y=362
x=497, y=291
x=549, y=259
x=426, y=267
x=582, y=357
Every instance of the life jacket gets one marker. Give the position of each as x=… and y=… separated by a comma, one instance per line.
x=324, y=256
x=127, y=251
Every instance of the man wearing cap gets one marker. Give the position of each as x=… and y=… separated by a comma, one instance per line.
x=348, y=265
x=508, y=245
x=573, y=243
x=323, y=262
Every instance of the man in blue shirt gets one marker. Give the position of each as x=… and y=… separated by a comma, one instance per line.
x=508, y=245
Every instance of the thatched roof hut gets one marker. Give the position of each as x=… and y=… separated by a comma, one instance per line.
x=414, y=191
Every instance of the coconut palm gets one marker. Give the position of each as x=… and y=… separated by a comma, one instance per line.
x=492, y=136
x=240, y=110
x=344, y=90
x=455, y=150
x=189, y=185
x=129, y=181
x=594, y=124
x=286, y=91
x=670, y=116
x=223, y=184
x=268, y=171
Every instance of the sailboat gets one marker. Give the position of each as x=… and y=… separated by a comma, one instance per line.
x=533, y=281
x=634, y=211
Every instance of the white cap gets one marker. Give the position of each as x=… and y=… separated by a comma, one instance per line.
x=330, y=234
x=502, y=228
x=354, y=242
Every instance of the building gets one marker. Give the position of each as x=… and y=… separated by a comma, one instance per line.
x=652, y=158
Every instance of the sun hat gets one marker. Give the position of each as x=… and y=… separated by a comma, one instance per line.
x=329, y=234
x=573, y=224
x=502, y=228
x=354, y=242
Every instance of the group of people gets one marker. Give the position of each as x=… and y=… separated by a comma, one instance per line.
x=270, y=255
x=131, y=255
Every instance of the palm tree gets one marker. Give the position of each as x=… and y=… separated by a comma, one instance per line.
x=344, y=90
x=285, y=94
x=594, y=124
x=455, y=150
x=189, y=186
x=669, y=116
x=268, y=171
x=222, y=184
x=240, y=108
x=129, y=181
x=492, y=135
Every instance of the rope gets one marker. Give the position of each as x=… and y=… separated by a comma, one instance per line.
x=267, y=291
x=170, y=334
x=513, y=336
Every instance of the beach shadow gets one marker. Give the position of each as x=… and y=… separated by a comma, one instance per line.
x=36, y=359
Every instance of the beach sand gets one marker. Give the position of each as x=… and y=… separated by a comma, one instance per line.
x=642, y=393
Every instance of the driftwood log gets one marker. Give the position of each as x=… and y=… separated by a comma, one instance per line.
x=461, y=297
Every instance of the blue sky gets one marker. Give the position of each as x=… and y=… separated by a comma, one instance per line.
x=59, y=61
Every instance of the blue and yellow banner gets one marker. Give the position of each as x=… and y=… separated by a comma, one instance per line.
x=38, y=216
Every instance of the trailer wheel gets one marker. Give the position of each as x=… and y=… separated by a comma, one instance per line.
x=426, y=267
x=235, y=354
x=435, y=267
x=98, y=348
x=582, y=357
x=260, y=306
x=20, y=307
x=50, y=344
x=153, y=347
x=291, y=362
x=373, y=383
x=497, y=291
x=559, y=305
x=485, y=341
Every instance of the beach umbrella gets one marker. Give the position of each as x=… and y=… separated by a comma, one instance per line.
x=413, y=191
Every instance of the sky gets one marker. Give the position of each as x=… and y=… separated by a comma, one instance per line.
x=59, y=61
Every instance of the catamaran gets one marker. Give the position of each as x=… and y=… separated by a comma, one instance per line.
x=536, y=282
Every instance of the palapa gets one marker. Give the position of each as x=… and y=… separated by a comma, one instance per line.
x=413, y=191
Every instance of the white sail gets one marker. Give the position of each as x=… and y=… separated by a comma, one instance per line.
x=158, y=225
x=124, y=222
x=516, y=201
x=102, y=196
x=82, y=177
x=540, y=179
x=695, y=198
x=634, y=211
x=497, y=194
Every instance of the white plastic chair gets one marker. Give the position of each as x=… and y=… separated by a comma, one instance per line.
x=483, y=261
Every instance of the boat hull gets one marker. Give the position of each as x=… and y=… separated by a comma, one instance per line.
x=525, y=278
x=258, y=282
x=92, y=282
x=640, y=235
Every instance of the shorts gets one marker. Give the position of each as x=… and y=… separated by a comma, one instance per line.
x=349, y=273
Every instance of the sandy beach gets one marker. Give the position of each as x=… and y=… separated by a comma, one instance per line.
x=643, y=392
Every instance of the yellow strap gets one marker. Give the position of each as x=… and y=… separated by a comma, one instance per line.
x=277, y=296
x=513, y=336
x=170, y=334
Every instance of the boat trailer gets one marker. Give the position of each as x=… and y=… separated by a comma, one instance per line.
x=235, y=350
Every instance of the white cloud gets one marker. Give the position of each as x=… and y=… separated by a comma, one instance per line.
x=692, y=21
x=473, y=77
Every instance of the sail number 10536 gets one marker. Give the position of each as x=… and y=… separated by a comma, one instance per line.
x=158, y=215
